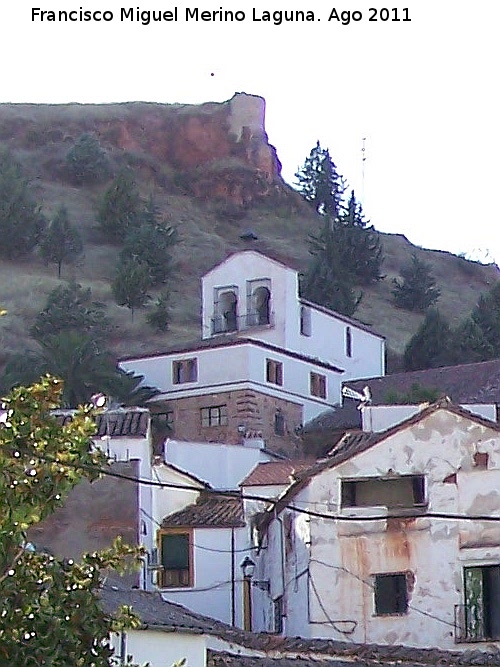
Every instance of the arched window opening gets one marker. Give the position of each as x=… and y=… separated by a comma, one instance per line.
x=262, y=300
x=229, y=310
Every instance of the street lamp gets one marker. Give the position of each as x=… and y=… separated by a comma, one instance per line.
x=248, y=568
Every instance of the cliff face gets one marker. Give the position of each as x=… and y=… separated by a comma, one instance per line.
x=220, y=148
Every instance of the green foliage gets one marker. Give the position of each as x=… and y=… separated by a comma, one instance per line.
x=327, y=281
x=151, y=243
x=131, y=284
x=21, y=222
x=416, y=394
x=61, y=242
x=417, y=291
x=320, y=184
x=429, y=347
x=87, y=162
x=50, y=607
x=70, y=307
x=362, y=253
x=159, y=317
x=121, y=207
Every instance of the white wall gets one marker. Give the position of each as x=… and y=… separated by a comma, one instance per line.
x=161, y=649
x=346, y=555
x=222, y=466
x=377, y=418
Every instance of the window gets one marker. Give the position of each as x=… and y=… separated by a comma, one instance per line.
x=318, y=385
x=279, y=423
x=258, y=302
x=185, y=370
x=305, y=321
x=391, y=594
x=274, y=371
x=225, y=310
x=481, y=613
x=176, y=558
x=214, y=416
x=348, y=342
x=396, y=492
x=278, y=615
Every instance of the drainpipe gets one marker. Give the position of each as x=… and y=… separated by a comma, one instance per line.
x=233, y=581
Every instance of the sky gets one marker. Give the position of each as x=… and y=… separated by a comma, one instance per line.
x=422, y=93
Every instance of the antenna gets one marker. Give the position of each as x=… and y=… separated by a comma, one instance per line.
x=363, y=160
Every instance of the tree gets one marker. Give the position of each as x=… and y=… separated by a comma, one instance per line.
x=87, y=161
x=61, y=242
x=429, y=346
x=362, y=252
x=327, y=280
x=151, y=243
x=159, y=317
x=120, y=208
x=320, y=183
x=50, y=607
x=417, y=290
x=70, y=307
x=21, y=221
x=131, y=284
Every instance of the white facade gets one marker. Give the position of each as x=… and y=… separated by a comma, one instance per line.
x=290, y=322
x=159, y=648
x=418, y=579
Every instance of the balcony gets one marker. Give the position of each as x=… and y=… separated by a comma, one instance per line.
x=222, y=324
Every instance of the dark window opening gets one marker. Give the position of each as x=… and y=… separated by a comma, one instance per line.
x=305, y=321
x=214, y=416
x=278, y=615
x=274, y=371
x=176, y=560
x=279, y=423
x=391, y=594
x=348, y=342
x=404, y=492
x=482, y=603
x=318, y=385
x=185, y=370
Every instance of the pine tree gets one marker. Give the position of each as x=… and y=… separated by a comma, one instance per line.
x=61, y=242
x=21, y=221
x=417, y=291
x=121, y=207
x=362, y=249
x=429, y=346
x=131, y=284
x=87, y=161
x=320, y=183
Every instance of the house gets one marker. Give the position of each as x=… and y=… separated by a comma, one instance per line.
x=170, y=632
x=267, y=361
x=394, y=538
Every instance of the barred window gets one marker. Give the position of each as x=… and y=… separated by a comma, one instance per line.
x=216, y=415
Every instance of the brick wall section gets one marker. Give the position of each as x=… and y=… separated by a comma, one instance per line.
x=245, y=407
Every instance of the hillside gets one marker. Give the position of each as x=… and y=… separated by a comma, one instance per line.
x=212, y=174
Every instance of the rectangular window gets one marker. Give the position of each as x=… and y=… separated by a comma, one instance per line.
x=391, y=594
x=279, y=423
x=176, y=558
x=318, y=385
x=278, y=615
x=184, y=370
x=348, y=342
x=274, y=371
x=214, y=416
x=481, y=617
x=305, y=321
x=399, y=492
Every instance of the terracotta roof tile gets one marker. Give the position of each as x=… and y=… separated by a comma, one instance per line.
x=275, y=650
x=276, y=472
x=210, y=511
x=131, y=422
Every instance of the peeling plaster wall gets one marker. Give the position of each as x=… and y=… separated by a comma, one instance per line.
x=346, y=555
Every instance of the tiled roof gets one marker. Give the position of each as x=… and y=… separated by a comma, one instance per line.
x=276, y=472
x=210, y=511
x=465, y=383
x=131, y=422
x=274, y=650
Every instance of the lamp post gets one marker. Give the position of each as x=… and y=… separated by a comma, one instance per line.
x=248, y=569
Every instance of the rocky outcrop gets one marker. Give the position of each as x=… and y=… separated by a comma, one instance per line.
x=220, y=149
